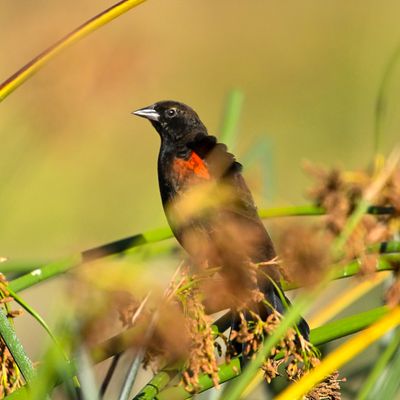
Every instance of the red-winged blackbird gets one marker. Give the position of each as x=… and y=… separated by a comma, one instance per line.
x=210, y=208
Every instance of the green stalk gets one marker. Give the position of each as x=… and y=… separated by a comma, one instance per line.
x=385, y=262
x=346, y=326
x=16, y=348
x=41, y=274
x=226, y=372
x=379, y=367
x=153, y=236
x=155, y=385
x=388, y=388
x=291, y=211
x=59, y=267
x=43, y=323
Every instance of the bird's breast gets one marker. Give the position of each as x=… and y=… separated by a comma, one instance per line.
x=190, y=170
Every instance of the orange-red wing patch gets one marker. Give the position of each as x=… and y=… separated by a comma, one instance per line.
x=194, y=165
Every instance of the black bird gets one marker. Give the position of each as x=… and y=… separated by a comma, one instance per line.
x=210, y=208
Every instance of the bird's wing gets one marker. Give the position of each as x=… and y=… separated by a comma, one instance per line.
x=226, y=171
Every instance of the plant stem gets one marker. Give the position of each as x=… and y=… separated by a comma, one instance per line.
x=34, y=314
x=17, y=79
x=109, y=375
x=156, y=235
x=379, y=367
x=16, y=349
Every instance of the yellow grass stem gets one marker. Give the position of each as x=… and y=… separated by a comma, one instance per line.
x=17, y=79
x=342, y=355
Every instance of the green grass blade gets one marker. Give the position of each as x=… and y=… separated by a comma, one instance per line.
x=32, y=312
x=16, y=349
x=41, y=274
x=153, y=236
x=346, y=326
x=388, y=388
x=379, y=368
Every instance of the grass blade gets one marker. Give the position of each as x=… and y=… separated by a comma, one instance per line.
x=153, y=236
x=379, y=368
x=16, y=348
x=109, y=375
x=389, y=387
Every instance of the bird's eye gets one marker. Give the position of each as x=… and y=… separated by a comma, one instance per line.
x=171, y=112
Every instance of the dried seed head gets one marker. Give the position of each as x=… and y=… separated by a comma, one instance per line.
x=305, y=253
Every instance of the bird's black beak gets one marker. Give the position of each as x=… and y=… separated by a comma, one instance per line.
x=147, y=112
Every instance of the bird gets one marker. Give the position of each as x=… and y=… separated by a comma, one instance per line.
x=211, y=210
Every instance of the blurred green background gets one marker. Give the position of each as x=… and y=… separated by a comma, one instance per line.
x=77, y=170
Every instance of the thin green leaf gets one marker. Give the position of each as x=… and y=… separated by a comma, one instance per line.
x=378, y=370
x=388, y=388
x=153, y=236
x=32, y=312
x=16, y=349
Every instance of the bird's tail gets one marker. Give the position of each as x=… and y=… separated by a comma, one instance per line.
x=274, y=297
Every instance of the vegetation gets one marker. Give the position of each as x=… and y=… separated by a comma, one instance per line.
x=350, y=229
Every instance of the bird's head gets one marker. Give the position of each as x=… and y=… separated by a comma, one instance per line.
x=174, y=121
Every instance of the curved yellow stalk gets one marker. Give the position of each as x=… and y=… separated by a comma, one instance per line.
x=17, y=79
x=347, y=297
x=341, y=355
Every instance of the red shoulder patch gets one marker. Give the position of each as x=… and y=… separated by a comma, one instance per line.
x=194, y=165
